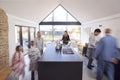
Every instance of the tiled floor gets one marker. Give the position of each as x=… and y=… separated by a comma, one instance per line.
x=27, y=72
x=87, y=74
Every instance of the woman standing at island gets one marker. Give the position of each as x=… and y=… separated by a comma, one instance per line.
x=65, y=38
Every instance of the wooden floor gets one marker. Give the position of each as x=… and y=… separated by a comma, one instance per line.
x=4, y=72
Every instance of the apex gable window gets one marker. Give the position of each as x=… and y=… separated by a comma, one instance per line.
x=53, y=26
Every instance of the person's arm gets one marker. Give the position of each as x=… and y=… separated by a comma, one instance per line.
x=63, y=37
x=29, y=53
x=117, y=54
x=38, y=55
x=13, y=59
x=92, y=41
x=42, y=43
x=98, y=49
x=35, y=40
x=68, y=38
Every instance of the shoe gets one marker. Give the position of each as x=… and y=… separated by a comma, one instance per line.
x=89, y=67
x=92, y=66
x=86, y=56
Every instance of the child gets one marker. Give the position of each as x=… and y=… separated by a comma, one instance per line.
x=18, y=62
x=34, y=55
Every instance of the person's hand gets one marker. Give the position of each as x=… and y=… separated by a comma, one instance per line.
x=93, y=58
x=114, y=61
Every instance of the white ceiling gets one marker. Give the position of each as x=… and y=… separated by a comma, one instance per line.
x=83, y=10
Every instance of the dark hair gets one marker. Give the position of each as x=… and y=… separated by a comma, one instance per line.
x=66, y=31
x=32, y=41
x=97, y=30
x=17, y=47
x=38, y=32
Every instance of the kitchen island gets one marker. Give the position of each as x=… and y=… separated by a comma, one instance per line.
x=54, y=65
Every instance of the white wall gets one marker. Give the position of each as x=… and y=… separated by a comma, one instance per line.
x=12, y=21
x=112, y=22
x=85, y=34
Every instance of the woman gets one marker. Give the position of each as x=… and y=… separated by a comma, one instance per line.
x=18, y=62
x=34, y=55
x=39, y=42
x=65, y=38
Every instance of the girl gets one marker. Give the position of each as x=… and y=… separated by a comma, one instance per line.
x=34, y=55
x=18, y=62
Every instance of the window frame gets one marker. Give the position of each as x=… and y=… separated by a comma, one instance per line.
x=21, y=33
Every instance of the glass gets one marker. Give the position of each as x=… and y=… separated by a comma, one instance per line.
x=25, y=37
x=49, y=18
x=59, y=31
x=32, y=33
x=55, y=32
x=71, y=18
x=47, y=34
x=74, y=32
x=17, y=35
x=60, y=14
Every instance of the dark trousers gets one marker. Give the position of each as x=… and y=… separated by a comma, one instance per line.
x=32, y=75
x=41, y=51
x=117, y=71
x=84, y=50
x=91, y=51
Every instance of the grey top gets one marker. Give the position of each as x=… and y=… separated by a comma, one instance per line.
x=34, y=55
x=39, y=43
x=92, y=41
x=51, y=55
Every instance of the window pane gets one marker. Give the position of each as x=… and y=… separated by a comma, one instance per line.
x=32, y=33
x=55, y=32
x=17, y=35
x=60, y=14
x=25, y=37
x=49, y=18
x=74, y=32
x=59, y=31
x=71, y=18
x=46, y=31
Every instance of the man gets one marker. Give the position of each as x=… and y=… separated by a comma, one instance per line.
x=91, y=46
x=106, y=54
x=39, y=42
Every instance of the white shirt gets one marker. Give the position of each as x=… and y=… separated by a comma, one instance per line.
x=39, y=43
x=93, y=40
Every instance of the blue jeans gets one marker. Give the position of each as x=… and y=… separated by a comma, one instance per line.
x=105, y=67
